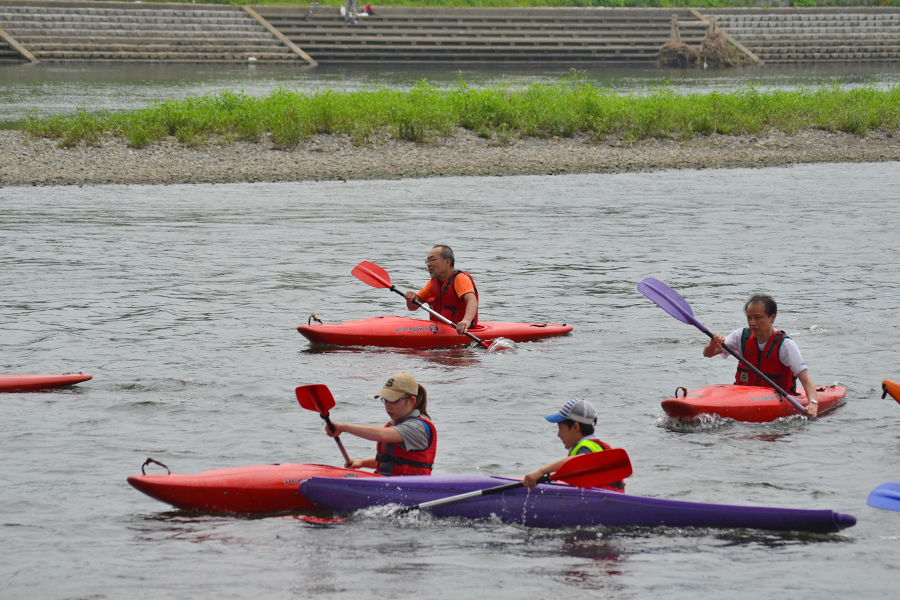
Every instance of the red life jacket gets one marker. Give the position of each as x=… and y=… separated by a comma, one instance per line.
x=591, y=444
x=394, y=460
x=444, y=300
x=766, y=360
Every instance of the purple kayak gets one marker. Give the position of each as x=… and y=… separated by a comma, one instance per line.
x=559, y=505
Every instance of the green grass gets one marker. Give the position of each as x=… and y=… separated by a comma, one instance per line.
x=424, y=113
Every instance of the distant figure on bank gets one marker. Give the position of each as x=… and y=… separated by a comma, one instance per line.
x=450, y=293
x=350, y=11
x=575, y=420
x=407, y=445
x=771, y=351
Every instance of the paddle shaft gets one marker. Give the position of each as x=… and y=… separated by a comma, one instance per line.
x=337, y=439
x=494, y=490
x=759, y=373
x=439, y=316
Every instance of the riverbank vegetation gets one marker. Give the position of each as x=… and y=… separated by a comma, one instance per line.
x=425, y=113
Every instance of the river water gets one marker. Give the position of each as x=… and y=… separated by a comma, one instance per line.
x=182, y=301
x=62, y=88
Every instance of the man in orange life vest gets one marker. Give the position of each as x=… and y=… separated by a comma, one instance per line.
x=771, y=351
x=450, y=293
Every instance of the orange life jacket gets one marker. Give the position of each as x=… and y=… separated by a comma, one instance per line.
x=444, y=300
x=394, y=460
x=766, y=360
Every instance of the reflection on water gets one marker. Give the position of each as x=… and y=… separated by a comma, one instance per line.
x=60, y=88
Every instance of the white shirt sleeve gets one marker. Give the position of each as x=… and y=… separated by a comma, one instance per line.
x=733, y=341
x=789, y=354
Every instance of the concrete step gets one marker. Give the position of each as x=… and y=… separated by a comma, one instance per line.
x=134, y=55
x=68, y=25
x=75, y=35
x=96, y=45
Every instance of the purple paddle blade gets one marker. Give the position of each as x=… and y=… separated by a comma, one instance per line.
x=886, y=496
x=670, y=301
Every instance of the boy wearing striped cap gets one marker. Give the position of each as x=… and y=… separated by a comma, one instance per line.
x=575, y=420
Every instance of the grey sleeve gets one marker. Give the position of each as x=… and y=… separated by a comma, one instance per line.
x=414, y=434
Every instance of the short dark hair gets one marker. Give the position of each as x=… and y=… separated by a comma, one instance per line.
x=584, y=428
x=447, y=252
x=767, y=301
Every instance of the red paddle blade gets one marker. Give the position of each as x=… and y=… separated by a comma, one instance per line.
x=595, y=469
x=315, y=397
x=369, y=272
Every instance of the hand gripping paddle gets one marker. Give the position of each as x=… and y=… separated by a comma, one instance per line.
x=369, y=272
x=670, y=301
x=318, y=397
x=588, y=470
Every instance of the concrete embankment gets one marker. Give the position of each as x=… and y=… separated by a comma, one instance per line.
x=25, y=161
x=69, y=30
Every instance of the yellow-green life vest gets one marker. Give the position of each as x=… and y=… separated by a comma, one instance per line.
x=594, y=446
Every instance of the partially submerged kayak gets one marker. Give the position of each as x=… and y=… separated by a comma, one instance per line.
x=560, y=505
x=256, y=489
x=892, y=388
x=746, y=403
x=405, y=332
x=30, y=383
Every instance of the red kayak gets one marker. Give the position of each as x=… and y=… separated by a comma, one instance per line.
x=746, y=403
x=29, y=383
x=257, y=489
x=891, y=388
x=404, y=332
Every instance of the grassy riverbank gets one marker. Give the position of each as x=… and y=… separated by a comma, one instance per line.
x=424, y=113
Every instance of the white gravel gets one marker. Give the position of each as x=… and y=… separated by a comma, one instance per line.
x=28, y=161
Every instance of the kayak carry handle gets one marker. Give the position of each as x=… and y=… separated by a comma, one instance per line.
x=156, y=462
x=683, y=391
x=313, y=317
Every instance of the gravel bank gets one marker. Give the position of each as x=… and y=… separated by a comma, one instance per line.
x=27, y=161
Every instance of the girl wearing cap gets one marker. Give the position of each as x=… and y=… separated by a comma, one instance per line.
x=575, y=420
x=407, y=444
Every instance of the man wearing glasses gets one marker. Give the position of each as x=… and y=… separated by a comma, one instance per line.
x=450, y=293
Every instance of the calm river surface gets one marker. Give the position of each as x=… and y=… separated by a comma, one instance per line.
x=63, y=88
x=182, y=301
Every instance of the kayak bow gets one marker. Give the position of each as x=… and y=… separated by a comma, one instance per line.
x=255, y=489
x=30, y=383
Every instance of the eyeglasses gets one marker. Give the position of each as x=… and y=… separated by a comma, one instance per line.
x=395, y=402
x=431, y=259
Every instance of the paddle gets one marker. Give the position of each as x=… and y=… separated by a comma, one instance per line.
x=318, y=397
x=670, y=301
x=372, y=274
x=886, y=496
x=587, y=470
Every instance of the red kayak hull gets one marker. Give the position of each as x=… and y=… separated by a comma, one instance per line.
x=892, y=388
x=404, y=332
x=256, y=489
x=746, y=403
x=29, y=383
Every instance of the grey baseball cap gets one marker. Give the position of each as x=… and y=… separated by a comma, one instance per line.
x=579, y=410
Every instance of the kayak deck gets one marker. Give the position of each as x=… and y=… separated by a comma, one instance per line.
x=560, y=505
x=30, y=383
x=747, y=403
x=406, y=332
x=254, y=489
